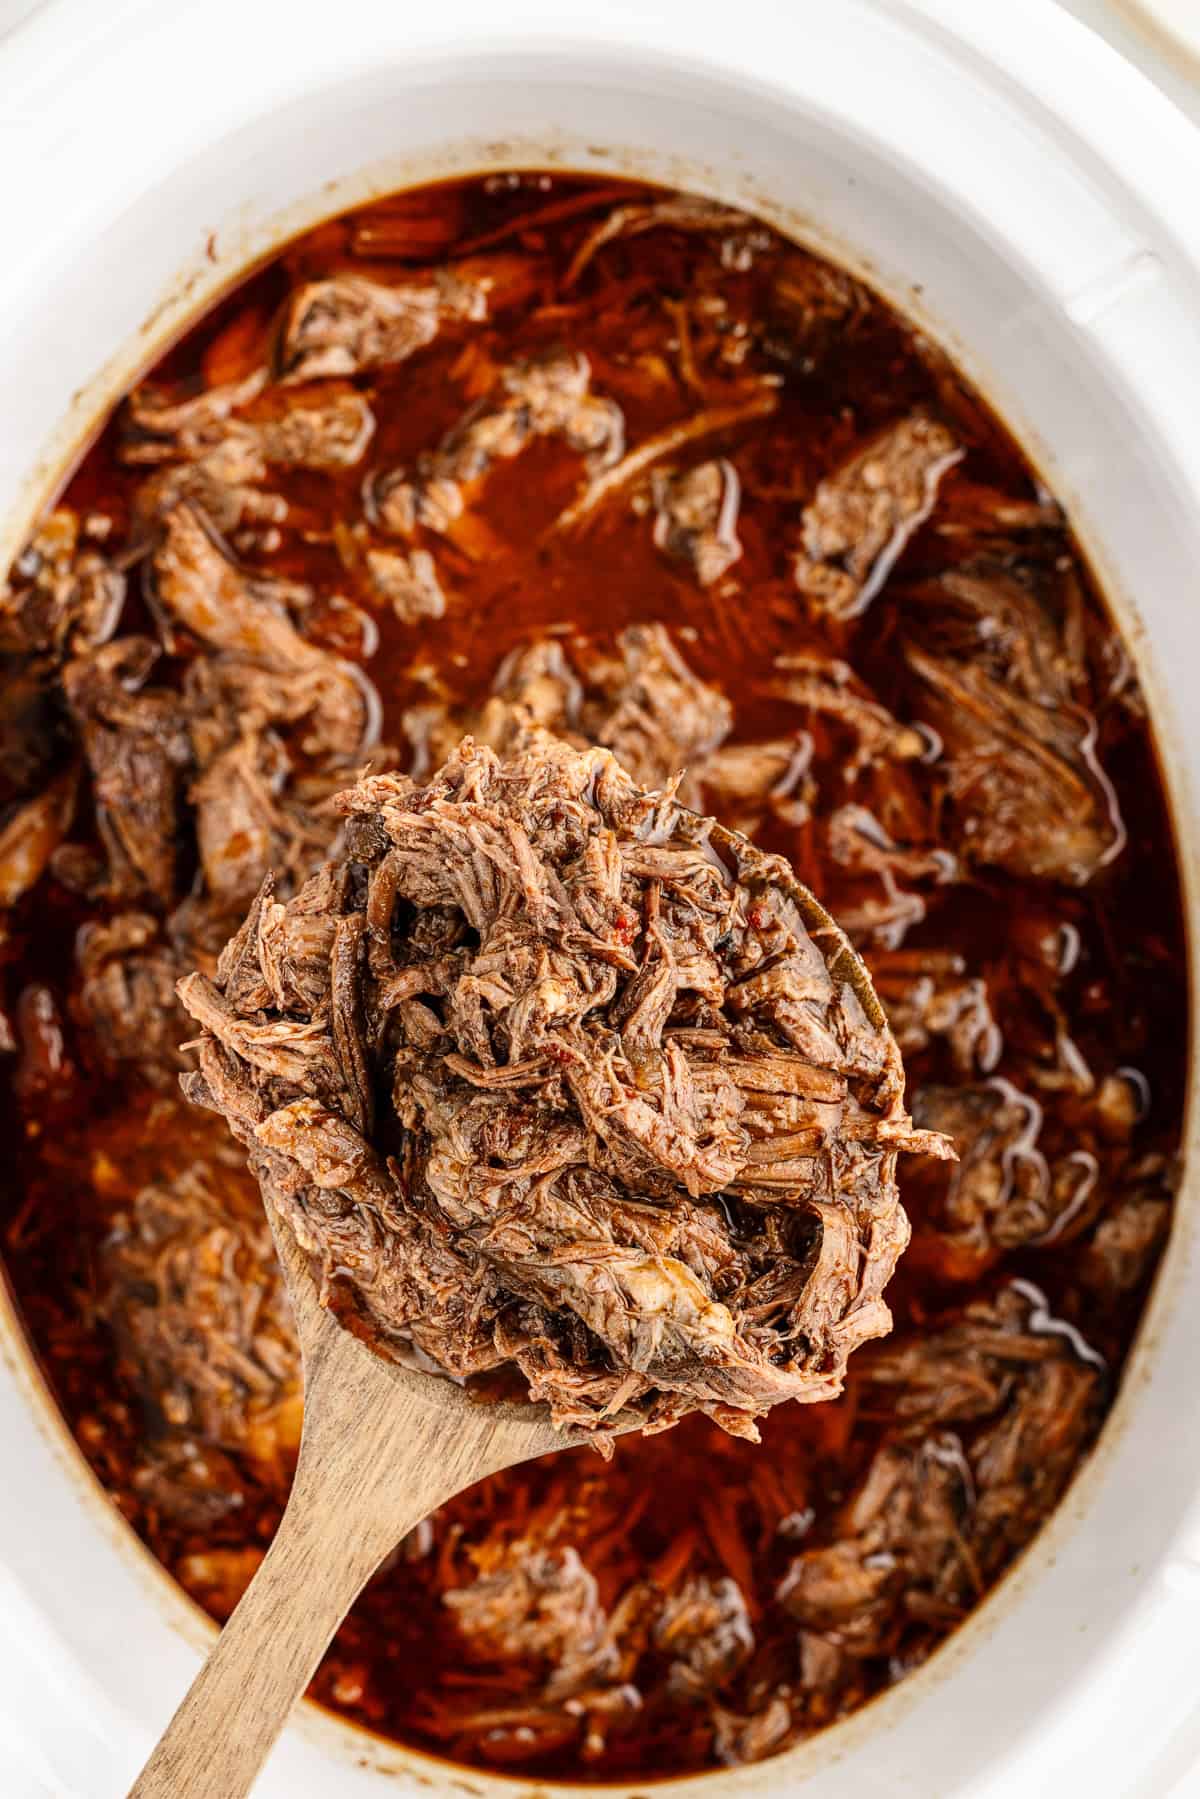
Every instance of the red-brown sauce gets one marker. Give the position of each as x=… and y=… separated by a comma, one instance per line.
x=1084, y=982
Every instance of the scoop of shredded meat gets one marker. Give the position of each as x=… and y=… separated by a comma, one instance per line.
x=548, y=1071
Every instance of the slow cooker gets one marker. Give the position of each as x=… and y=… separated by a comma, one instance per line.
x=1004, y=179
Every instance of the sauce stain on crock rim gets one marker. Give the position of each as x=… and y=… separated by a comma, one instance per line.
x=226, y=256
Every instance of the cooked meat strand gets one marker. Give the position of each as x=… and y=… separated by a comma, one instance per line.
x=127, y=995
x=656, y=717
x=939, y=1509
x=928, y=997
x=681, y=212
x=828, y=688
x=409, y=583
x=317, y=430
x=642, y=702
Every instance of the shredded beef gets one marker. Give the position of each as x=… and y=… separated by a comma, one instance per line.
x=862, y=515
x=136, y=750
x=548, y=397
x=585, y=1087
x=929, y=997
x=643, y=703
x=347, y=324
x=996, y=678
x=655, y=716
x=325, y=430
x=991, y=1415
x=695, y=518
x=409, y=584
x=31, y=834
x=127, y=994
x=198, y=1306
x=680, y=212
x=64, y=596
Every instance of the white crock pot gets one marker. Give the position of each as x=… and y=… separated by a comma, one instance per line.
x=1000, y=175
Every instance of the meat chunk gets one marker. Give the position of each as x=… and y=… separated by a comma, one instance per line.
x=1027, y=790
x=654, y=715
x=900, y=1546
x=695, y=518
x=159, y=425
x=940, y=1510
x=861, y=516
x=191, y=1289
x=679, y=212
x=31, y=834
x=1126, y=1242
x=643, y=702
x=236, y=428
x=44, y=1070
x=530, y=1603
x=409, y=583
x=127, y=995
x=532, y=1609
x=65, y=596
x=1002, y=1192
x=828, y=690
x=198, y=1488
x=205, y=592
x=1024, y=781
x=1124, y=1246
x=248, y=826
x=136, y=750
x=930, y=998
x=346, y=325
x=497, y=1132
x=739, y=1738
x=705, y=1631
x=1000, y=1179
x=984, y=1363
x=811, y=305
x=750, y=784
x=859, y=843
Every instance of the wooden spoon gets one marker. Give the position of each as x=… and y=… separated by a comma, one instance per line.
x=381, y=1448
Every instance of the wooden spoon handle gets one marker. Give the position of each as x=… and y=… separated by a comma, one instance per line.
x=265, y=1657
x=380, y=1449
x=376, y=1456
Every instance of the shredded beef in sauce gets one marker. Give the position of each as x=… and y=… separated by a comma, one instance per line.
x=551, y=1071
x=530, y=453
